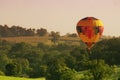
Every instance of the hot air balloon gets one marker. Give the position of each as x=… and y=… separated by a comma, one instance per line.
x=90, y=30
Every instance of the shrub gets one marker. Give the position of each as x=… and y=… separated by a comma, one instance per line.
x=2, y=73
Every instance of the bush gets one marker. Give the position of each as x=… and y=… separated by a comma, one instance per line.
x=13, y=69
x=99, y=69
x=2, y=73
x=69, y=74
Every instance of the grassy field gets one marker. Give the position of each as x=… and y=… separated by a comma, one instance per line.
x=17, y=78
x=34, y=40
x=31, y=40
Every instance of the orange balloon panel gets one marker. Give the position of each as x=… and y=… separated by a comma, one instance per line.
x=90, y=30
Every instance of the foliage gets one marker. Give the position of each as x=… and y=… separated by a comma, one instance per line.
x=69, y=74
x=81, y=57
x=2, y=73
x=99, y=70
x=4, y=61
x=60, y=59
x=13, y=31
x=107, y=49
x=42, y=71
x=6, y=31
x=55, y=37
x=71, y=35
x=13, y=69
x=55, y=69
x=42, y=32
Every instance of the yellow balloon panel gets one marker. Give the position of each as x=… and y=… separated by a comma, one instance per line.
x=90, y=23
x=94, y=38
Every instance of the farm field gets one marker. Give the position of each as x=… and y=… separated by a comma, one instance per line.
x=31, y=40
x=34, y=40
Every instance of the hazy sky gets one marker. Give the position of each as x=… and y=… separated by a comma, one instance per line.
x=60, y=15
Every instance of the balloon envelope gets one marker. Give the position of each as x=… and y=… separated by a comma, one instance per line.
x=90, y=30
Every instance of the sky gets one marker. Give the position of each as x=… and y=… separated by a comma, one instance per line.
x=60, y=15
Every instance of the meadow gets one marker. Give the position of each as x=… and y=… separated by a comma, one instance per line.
x=17, y=78
x=31, y=40
x=34, y=40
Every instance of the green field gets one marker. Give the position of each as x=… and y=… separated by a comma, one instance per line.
x=17, y=78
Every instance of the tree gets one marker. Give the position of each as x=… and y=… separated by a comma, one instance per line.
x=18, y=49
x=42, y=71
x=6, y=31
x=55, y=69
x=42, y=46
x=3, y=61
x=81, y=57
x=39, y=71
x=41, y=32
x=69, y=60
x=107, y=49
x=69, y=74
x=22, y=66
x=13, y=69
x=30, y=32
x=55, y=36
x=71, y=35
x=4, y=49
x=99, y=70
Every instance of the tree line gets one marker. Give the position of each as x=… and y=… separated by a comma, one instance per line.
x=15, y=31
x=59, y=62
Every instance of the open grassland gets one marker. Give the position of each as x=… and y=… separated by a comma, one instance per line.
x=31, y=40
x=17, y=78
x=34, y=40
